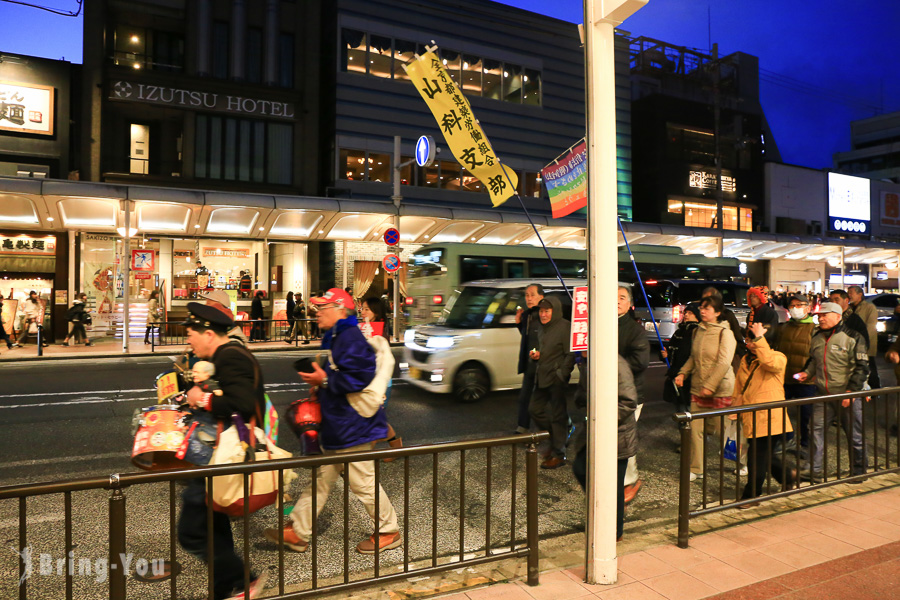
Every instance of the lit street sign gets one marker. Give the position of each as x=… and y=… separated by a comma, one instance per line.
x=425, y=149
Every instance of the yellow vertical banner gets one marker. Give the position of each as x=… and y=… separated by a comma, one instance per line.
x=461, y=130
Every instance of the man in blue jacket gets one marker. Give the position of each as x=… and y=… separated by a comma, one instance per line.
x=351, y=368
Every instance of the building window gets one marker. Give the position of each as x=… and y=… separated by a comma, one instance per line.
x=384, y=57
x=380, y=56
x=403, y=53
x=449, y=176
x=140, y=48
x=139, y=150
x=286, y=60
x=254, y=55
x=702, y=214
x=359, y=165
x=243, y=150
x=220, y=50
x=353, y=51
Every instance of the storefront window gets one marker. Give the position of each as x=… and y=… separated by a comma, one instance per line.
x=353, y=165
x=220, y=264
x=353, y=51
x=471, y=75
x=379, y=167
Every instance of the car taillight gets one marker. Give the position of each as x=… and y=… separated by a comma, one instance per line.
x=437, y=299
x=677, y=313
x=409, y=301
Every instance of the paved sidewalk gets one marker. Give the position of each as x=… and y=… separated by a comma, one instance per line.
x=848, y=548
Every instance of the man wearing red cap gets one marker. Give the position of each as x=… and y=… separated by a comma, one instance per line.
x=348, y=366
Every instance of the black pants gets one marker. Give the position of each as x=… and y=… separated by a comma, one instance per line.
x=257, y=331
x=548, y=409
x=5, y=336
x=228, y=567
x=524, y=419
x=579, y=468
x=757, y=466
x=874, y=379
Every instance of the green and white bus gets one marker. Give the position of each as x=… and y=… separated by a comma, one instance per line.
x=436, y=271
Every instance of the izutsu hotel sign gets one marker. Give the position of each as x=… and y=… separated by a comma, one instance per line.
x=195, y=99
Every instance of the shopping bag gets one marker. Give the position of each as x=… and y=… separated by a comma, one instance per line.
x=32, y=328
x=729, y=450
x=237, y=445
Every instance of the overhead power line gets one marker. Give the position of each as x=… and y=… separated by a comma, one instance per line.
x=50, y=9
x=813, y=90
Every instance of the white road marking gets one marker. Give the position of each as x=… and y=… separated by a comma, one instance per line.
x=61, y=459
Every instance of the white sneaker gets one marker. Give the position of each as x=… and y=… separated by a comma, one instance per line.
x=696, y=476
x=743, y=472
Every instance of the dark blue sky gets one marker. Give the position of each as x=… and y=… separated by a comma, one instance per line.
x=846, y=60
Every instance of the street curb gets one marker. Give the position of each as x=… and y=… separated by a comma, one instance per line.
x=96, y=355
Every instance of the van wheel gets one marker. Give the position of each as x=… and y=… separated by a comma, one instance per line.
x=471, y=384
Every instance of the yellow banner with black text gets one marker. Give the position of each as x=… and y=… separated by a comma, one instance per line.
x=461, y=130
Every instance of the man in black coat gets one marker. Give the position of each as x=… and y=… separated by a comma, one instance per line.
x=635, y=349
x=240, y=379
x=528, y=323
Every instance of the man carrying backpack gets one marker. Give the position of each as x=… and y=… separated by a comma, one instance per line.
x=347, y=369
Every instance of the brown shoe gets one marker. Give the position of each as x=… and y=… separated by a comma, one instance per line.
x=397, y=442
x=554, y=462
x=632, y=490
x=750, y=505
x=386, y=541
x=292, y=541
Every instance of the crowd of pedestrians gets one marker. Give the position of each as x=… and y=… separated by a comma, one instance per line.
x=827, y=346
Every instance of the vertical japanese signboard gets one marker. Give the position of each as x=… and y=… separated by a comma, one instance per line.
x=579, y=335
x=461, y=130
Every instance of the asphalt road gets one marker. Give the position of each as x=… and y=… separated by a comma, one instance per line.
x=71, y=419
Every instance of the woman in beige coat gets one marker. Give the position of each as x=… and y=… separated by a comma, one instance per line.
x=760, y=379
x=712, y=380
x=152, y=315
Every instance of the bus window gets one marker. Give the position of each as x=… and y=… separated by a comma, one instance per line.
x=540, y=267
x=429, y=263
x=515, y=269
x=567, y=268
x=480, y=267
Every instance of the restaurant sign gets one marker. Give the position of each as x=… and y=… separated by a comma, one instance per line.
x=189, y=98
x=27, y=245
x=26, y=108
x=228, y=252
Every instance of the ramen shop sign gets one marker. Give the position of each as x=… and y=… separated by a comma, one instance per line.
x=196, y=99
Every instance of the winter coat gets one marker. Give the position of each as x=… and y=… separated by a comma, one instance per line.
x=838, y=360
x=635, y=349
x=153, y=311
x=554, y=365
x=853, y=322
x=289, y=309
x=793, y=340
x=256, y=308
x=352, y=370
x=868, y=314
x=710, y=363
x=75, y=314
x=627, y=398
x=760, y=379
x=528, y=322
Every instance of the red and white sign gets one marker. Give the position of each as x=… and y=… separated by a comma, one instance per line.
x=26, y=108
x=142, y=260
x=142, y=275
x=579, y=334
x=391, y=263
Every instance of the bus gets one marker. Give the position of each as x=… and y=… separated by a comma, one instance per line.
x=436, y=271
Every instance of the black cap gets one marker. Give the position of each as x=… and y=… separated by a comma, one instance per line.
x=544, y=303
x=218, y=318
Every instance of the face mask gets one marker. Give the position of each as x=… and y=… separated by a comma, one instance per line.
x=797, y=313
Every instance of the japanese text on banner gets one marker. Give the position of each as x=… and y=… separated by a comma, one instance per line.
x=579, y=331
x=464, y=135
x=566, y=181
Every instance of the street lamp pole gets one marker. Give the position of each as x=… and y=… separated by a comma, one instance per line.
x=398, y=200
x=600, y=19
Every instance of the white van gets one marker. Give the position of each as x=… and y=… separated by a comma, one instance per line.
x=474, y=348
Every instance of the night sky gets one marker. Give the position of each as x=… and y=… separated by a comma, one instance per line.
x=831, y=66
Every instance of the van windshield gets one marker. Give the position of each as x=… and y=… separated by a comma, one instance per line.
x=480, y=308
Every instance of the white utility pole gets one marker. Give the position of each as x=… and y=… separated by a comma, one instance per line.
x=600, y=19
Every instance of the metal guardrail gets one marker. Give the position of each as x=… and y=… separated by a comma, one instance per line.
x=173, y=333
x=877, y=420
x=118, y=542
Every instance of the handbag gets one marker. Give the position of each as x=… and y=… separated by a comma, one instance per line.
x=32, y=328
x=237, y=445
x=368, y=400
x=304, y=417
x=729, y=450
